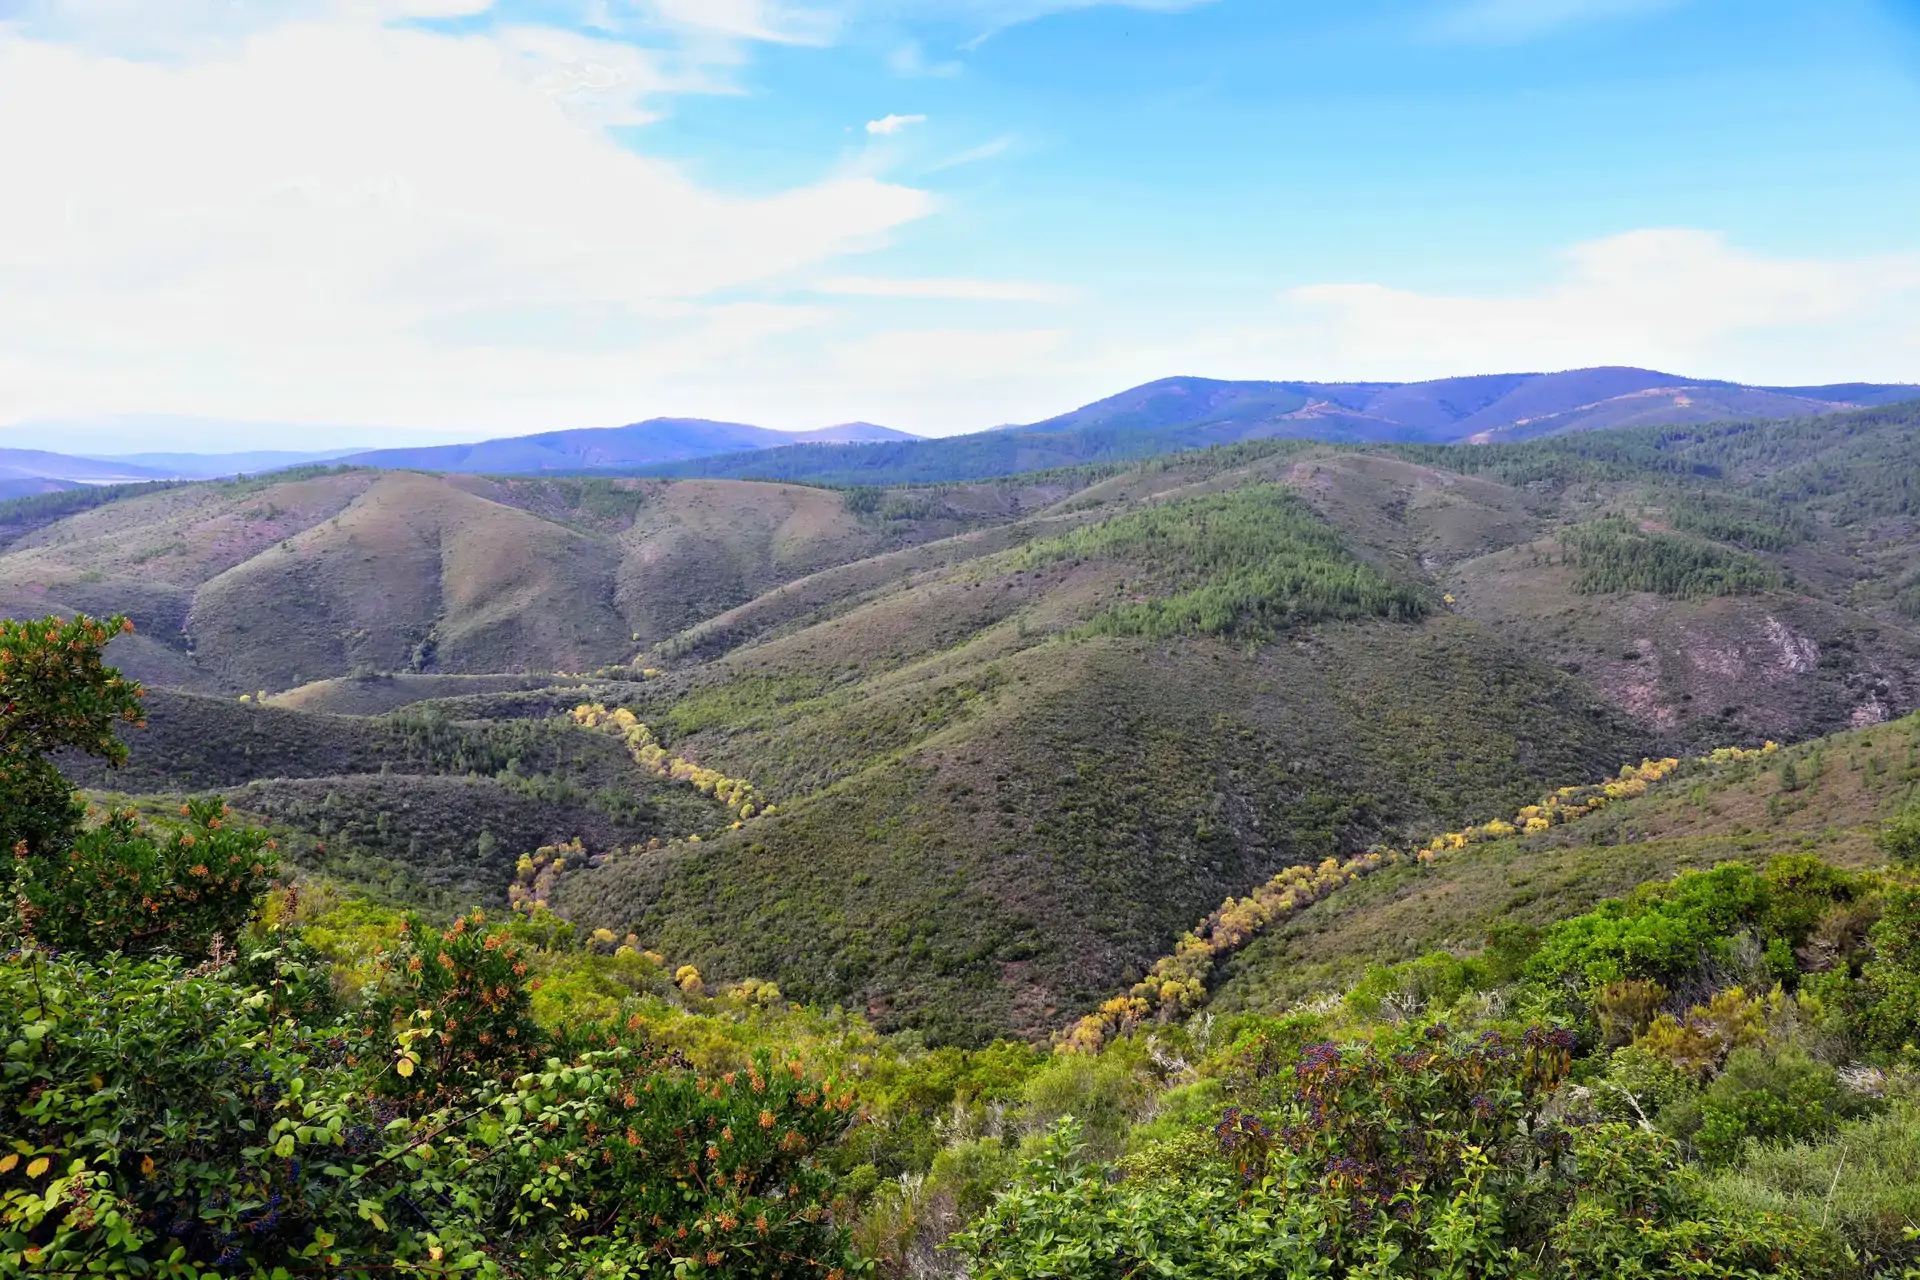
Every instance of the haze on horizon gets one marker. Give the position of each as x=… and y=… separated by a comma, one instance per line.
x=416, y=220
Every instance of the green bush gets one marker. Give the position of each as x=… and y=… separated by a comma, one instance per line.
x=1659, y=933
x=1890, y=1016
x=125, y=886
x=1782, y=1096
x=56, y=694
x=1900, y=838
x=1421, y=1154
x=1861, y=1182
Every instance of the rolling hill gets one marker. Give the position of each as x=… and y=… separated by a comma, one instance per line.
x=272, y=583
x=1016, y=734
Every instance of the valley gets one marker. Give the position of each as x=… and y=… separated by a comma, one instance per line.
x=1000, y=851
x=1019, y=733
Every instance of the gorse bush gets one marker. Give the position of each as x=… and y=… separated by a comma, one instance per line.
x=1245, y=563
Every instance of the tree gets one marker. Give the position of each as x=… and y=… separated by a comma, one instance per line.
x=56, y=693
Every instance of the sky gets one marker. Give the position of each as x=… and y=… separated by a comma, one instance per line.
x=318, y=223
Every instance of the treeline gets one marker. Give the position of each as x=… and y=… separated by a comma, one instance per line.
x=1853, y=466
x=1242, y=564
x=20, y=516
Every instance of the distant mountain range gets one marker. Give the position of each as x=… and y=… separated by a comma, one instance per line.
x=30, y=471
x=595, y=448
x=1191, y=413
x=656, y=441
x=1157, y=417
x=1512, y=406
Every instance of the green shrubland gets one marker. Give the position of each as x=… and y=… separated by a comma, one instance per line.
x=205, y=1076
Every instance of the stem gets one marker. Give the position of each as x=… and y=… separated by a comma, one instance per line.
x=1833, y=1187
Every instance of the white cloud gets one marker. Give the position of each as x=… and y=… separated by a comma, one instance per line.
x=344, y=221
x=1679, y=300
x=956, y=290
x=889, y=125
x=180, y=28
x=1005, y=13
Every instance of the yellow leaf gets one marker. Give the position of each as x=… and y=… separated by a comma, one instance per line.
x=404, y=1066
x=9, y=1160
x=38, y=1167
x=146, y=1165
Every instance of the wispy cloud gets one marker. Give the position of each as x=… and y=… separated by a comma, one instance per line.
x=953, y=290
x=769, y=20
x=886, y=126
x=972, y=155
x=1504, y=21
x=909, y=60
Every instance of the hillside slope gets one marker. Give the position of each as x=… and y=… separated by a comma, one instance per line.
x=277, y=582
x=1827, y=795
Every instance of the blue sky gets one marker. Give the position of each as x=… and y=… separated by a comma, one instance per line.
x=454, y=217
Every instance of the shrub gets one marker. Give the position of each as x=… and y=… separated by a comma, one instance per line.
x=157, y=1120
x=56, y=693
x=1900, y=838
x=1699, y=1042
x=1768, y=1097
x=456, y=1006
x=1421, y=1155
x=1890, y=1017
x=124, y=886
x=1862, y=1182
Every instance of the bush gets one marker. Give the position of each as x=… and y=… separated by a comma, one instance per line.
x=455, y=1006
x=56, y=694
x=1890, y=1019
x=1862, y=1182
x=124, y=886
x=1769, y=1097
x=162, y=1120
x=1420, y=1155
x=1900, y=838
